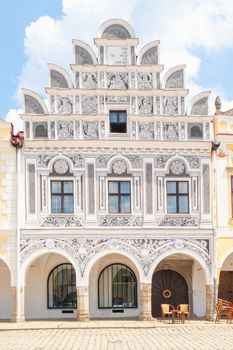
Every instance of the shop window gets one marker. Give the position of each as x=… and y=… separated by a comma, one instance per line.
x=62, y=287
x=117, y=287
x=119, y=197
x=177, y=197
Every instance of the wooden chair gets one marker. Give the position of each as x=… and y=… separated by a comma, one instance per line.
x=166, y=311
x=183, y=310
x=224, y=308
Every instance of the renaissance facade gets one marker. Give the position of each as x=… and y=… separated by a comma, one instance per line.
x=114, y=203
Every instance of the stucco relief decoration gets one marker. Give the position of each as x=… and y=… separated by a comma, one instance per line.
x=101, y=104
x=177, y=221
x=194, y=161
x=77, y=77
x=118, y=80
x=65, y=130
x=150, y=56
x=170, y=131
x=49, y=243
x=89, y=80
x=102, y=160
x=200, y=107
x=145, y=81
x=146, y=130
x=161, y=160
x=145, y=105
x=58, y=80
x=44, y=159
x=76, y=159
x=77, y=128
x=52, y=104
x=157, y=104
x=135, y=160
x=133, y=105
x=119, y=167
x=64, y=104
x=176, y=80
x=177, y=167
x=145, y=250
x=66, y=221
x=61, y=166
x=90, y=130
x=170, y=105
x=158, y=130
x=120, y=221
x=132, y=80
x=32, y=105
x=117, y=100
x=89, y=105
x=116, y=31
x=82, y=56
x=182, y=131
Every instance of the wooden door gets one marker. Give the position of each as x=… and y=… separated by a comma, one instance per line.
x=225, y=290
x=168, y=287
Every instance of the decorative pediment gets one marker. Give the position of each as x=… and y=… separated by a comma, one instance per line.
x=33, y=103
x=199, y=104
x=116, y=31
x=57, y=79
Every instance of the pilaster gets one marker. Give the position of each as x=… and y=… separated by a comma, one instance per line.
x=145, y=302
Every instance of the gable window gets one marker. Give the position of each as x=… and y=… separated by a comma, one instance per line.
x=118, y=121
x=62, y=197
x=177, y=197
x=119, y=197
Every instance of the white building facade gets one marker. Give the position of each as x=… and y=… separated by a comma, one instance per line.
x=114, y=207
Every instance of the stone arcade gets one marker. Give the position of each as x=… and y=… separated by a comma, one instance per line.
x=115, y=188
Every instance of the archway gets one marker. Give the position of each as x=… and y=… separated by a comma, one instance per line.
x=191, y=278
x=225, y=289
x=50, y=288
x=168, y=287
x=114, y=287
x=5, y=292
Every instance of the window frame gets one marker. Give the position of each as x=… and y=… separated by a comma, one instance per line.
x=177, y=195
x=119, y=180
x=118, y=111
x=48, y=279
x=62, y=195
x=136, y=288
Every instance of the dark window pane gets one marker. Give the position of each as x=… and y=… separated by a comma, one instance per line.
x=125, y=187
x=183, y=187
x=113, y=187
x=183, y=204
x=56, y=186
x=171, y=187
x=56, y=204
x=125, y=204
x=68, y=186
x=171, y=204
x=113, y=204
x=68, y=204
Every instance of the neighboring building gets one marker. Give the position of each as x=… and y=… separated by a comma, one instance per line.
x=115, y=202
x=223, y=171
x=7, y=224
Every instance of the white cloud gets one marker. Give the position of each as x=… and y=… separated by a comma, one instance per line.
x=180, y=25
x=13, y=116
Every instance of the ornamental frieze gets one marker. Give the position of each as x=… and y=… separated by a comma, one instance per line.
x=120, y=221
x=63, y=221
x=144, y=250
x=177, y=221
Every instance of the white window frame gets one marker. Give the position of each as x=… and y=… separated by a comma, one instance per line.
x=178, y=179
x=120, y=179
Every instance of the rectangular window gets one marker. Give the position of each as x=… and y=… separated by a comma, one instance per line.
x=62, y=197
x=119, y=197
x=118, y=121
x=177, y=197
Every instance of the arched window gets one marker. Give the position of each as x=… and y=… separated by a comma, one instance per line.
x=117, y=287
x=62, y=287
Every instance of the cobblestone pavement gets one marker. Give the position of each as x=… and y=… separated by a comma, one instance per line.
x=116, y=336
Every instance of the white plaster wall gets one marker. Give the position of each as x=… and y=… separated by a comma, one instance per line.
x=36, y=288
x=199, y=290
x=5, y=292
x=93, y=288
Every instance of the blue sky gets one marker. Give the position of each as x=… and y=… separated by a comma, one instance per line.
x=192, y=32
